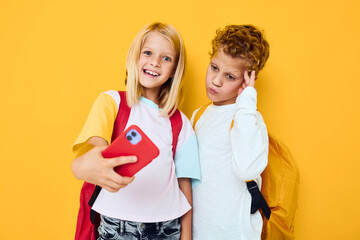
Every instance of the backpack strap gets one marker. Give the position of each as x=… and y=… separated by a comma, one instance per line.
x=176, y=125
x=257, y=199
x=121, y=119
x=199, y=113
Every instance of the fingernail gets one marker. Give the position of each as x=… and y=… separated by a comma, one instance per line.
x=133, y=158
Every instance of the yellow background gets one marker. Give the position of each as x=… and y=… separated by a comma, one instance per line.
x=57, y=56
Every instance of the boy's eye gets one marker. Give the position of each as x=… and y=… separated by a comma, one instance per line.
x=167, y=59
x=214, y=68
x=147, y=53
x=230, y=77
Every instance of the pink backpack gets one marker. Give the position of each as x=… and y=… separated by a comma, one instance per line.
x=88, y=220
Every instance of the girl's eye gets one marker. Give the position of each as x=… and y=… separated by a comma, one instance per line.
x=214, y=68
x=230, y=77
x=147, y=53
x=167, y=59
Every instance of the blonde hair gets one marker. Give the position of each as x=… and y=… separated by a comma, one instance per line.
x=169, y=96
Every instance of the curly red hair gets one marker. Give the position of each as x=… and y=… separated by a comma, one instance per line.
x=244, y=41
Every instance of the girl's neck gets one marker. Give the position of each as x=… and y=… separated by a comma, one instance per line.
x=152, y=94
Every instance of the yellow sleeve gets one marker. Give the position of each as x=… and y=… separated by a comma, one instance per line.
x=100, y=122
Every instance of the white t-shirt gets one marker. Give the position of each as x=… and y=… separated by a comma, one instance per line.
x=154, y=195
x=221, y=202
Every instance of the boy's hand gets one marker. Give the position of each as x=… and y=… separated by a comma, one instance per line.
x=248, y=81
x=92, y=167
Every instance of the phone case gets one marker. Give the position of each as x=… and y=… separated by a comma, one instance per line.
x=132, y=142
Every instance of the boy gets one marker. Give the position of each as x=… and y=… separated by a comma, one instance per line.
x=232, y=137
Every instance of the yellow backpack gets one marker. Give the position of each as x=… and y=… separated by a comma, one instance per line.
x=280, y=187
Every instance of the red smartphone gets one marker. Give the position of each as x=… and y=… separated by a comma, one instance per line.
x=132, y=142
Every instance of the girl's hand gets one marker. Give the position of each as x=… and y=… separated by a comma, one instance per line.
x=92, y=167
x=248, y=81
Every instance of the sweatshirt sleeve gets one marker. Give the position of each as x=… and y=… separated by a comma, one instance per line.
x=249, y=138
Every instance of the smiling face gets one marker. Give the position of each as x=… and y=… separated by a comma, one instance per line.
x=156, y=64
x=224, y=77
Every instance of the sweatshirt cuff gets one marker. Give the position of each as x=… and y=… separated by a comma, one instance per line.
x=247, y=99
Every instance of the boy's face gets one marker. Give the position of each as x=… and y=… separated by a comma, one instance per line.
x=224, y=77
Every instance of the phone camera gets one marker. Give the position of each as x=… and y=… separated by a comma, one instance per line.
x=133, y=136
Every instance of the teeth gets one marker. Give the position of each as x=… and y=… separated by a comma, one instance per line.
x=152, y=73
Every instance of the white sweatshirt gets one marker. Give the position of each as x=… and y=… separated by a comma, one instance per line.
x=228, y=158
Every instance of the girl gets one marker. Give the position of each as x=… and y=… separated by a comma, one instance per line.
x=149, y=205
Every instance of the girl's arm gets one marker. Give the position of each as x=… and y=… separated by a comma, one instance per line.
x=93, y=168
x=186, y=220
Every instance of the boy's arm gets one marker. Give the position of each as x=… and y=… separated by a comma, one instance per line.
x=249, y=139
x=186, y=220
